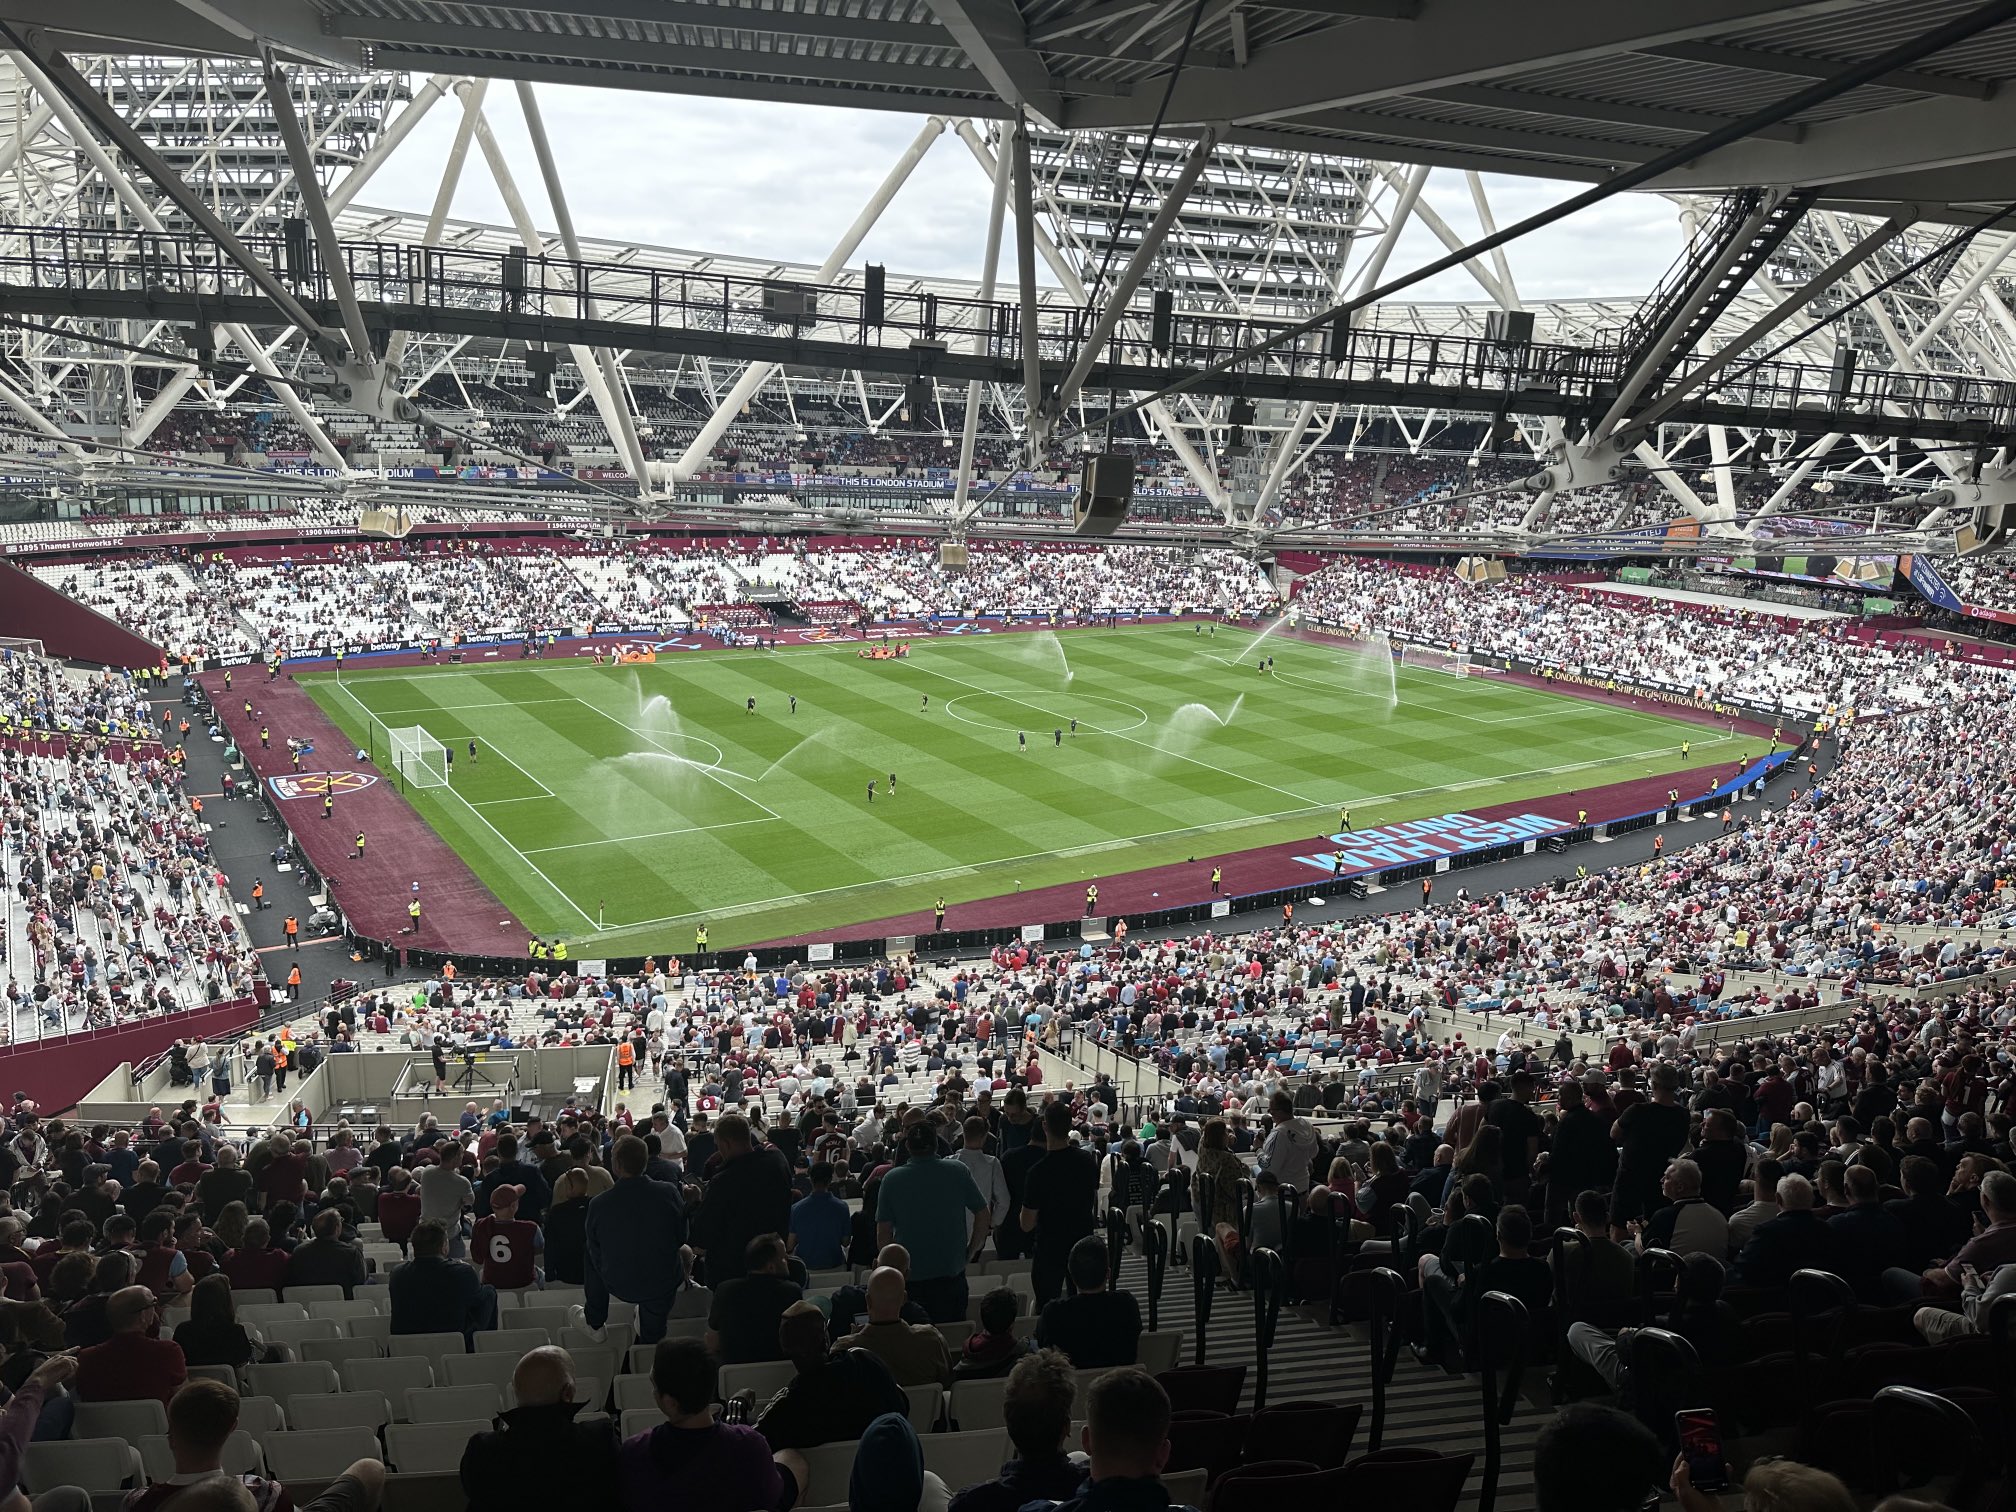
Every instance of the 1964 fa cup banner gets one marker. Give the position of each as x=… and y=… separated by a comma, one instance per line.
x=1375, y=849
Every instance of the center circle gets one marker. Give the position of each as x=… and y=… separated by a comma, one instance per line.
x=1016, y=715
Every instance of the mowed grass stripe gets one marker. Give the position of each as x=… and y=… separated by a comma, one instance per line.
x=974, y=815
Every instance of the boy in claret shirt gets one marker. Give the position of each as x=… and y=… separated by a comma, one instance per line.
x=505, y=1244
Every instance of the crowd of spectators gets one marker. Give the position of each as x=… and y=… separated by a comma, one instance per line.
x=112, y=907
x=182, y=606
x=1733, y=655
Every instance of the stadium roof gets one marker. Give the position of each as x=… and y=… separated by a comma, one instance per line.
x=1571, y=89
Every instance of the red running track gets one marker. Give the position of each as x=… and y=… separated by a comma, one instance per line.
x=457, y=912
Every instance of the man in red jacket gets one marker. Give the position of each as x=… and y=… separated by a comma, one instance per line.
x=130, y=1365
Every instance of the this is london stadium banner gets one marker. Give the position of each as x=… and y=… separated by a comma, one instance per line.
x=1375, y=849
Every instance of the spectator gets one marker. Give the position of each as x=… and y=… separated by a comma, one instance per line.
x=201, y=1419
x=1057, y=1201
x=987, y=1173
x=1689, y=1224
x=1591, y=1458
x=850, y=1303
x=1995, y=1245
x=1933, y=1227
x=328, y=1259
x=635, y=1232
x=212, y=1335
x=1602, y=1276
x=742, y=1323
x=914, y=1352
x=749, y=1194
x=993, y=1348
x=1797, y=1239
x=1772, y=1485
x=1126, y=1439
x=834, y=1396
x=539, y=1455
x=1868, y=1240
x=445, y=1195
x=690, y=1462
x=1699, y=1316
x=1095, y=1327
x=821, y=1223
x=256, y=1264
x=398, y=1205
x=511, y=1171
x=224, y=1184
x=1037, y=1411
x=1763, y=1204
x=1291, y=1145
x=130, y=1365
x=432, y=1293
x=507, y=1246
x=1649, y=1135
x=1513, y=1270
x=565, y=1230
x=931, y=1206
x=888, y=1473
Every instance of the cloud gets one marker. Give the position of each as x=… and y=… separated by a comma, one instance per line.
x=786, y=181
x=770, y=181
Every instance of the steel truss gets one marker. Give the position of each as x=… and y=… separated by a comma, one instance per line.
x=656, y=364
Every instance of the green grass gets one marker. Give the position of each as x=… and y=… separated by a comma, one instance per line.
x=647, y=797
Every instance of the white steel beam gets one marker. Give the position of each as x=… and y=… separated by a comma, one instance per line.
x=1136, y=270
x=70, y=93
x=1285, y=459
x=757, y=374
x=990, y=259
x=143, y=211
x=1157, y=411
x=472, y=92
x=280, y=95
x=606, y=404
x=556, y=196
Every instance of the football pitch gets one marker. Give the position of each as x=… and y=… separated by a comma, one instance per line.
x=620, y=806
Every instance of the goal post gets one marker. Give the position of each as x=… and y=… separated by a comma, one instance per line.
x=418, y=758
x=1436, y=659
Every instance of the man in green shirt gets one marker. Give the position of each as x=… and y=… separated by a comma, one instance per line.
x=924, y=1206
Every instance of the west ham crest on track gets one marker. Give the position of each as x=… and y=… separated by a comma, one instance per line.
x=315, y=784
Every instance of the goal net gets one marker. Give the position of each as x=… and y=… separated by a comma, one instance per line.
x=1435, y=659
x=418, y=757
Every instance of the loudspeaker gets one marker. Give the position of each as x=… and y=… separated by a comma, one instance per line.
x=1509, y=325
x=1162, y=322
x=952, y=554
x=1843, y=377
x=1477, y=569
x=1340, y=338
x=1969, y=539
x=874, y=282
x=299, y=251
x=1104, y=494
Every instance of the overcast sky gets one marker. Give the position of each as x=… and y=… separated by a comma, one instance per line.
x=785, y=181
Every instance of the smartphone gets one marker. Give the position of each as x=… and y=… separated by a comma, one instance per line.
x=1701, y=1445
